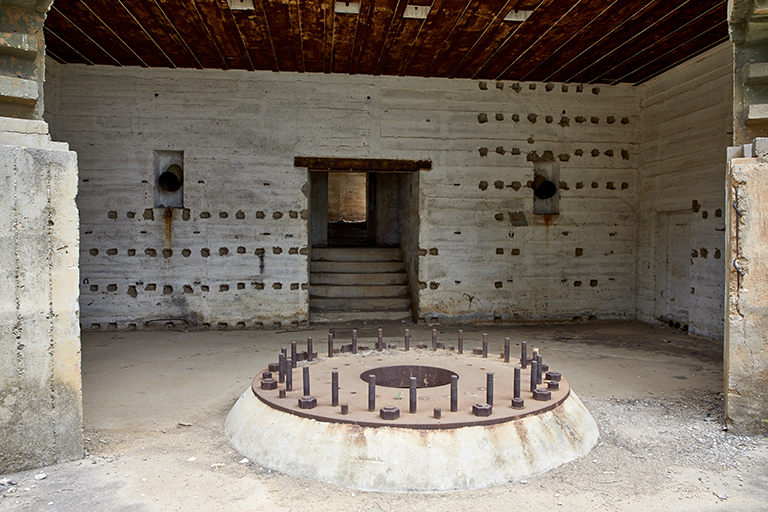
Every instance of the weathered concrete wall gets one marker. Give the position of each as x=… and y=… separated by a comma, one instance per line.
x=347, y=196
x=40, y=391
x=686, y=128
x=485, y=255
x=746, y=335
x=236, y=254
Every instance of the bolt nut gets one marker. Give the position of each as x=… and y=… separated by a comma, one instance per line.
x=389, y=412
x=281, y=393
x=274, y=367
x=544, y=368
x=438, y=413
x=344, y=408
x=307, y=402
x=482, y=410
x=553, y=376
x=518, y=403
x=266, y=375
x=542, y=395
x=421, y=345
x=268, y=384
x=478, y=351
x=553, y=385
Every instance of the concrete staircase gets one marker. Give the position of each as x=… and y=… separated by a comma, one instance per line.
x=358, y=283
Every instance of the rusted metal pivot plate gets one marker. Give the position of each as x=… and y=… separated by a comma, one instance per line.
x=397, y=366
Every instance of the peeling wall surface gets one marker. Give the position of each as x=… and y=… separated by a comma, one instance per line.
x=686, y=127
x=236, y=254
x=746, y=337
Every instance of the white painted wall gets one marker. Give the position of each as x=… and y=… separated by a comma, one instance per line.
x=686, y=127
x=239, y=133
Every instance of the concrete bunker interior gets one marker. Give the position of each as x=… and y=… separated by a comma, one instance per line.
x=637, y=227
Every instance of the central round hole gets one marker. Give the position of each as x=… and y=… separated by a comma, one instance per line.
x=400, y=376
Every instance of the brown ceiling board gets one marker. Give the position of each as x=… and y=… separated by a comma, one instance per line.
x=562, y=40
x=224, y=33
x=312, y=22
x=189, y=27
x=448, y=40
x=657, y=47
x=162, y=31
x=298, y=48
x=61, y=51
x=392, y=31
x=375, y=34
x=401, y=45
x=259, y=52
x=366, y=9
x=231, y=25
x=344, y=32
x=646, y=62
x=96, y=30
x=279, y=22
x=472, y=25
x=86, y=46
x=121, y=22
x=564, y=33
x=624, y=38
x=202, y=8
x=440, y=22
x=693, y=48
x=539, y=23
x=491, y=38
x=256, y=28
x=328, y=21
x=677, y=24
x=609, y=22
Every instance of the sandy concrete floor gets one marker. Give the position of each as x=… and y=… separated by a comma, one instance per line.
x=155, y=404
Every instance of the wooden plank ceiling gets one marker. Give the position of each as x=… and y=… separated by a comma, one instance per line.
x=586, y=41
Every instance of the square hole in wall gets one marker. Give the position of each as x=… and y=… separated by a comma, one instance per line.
x=169, y=179
x=545, y=185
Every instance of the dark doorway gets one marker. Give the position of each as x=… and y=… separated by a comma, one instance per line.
x=356, y=209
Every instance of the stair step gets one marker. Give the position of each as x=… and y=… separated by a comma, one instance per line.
x=359, y=279
x=351, y=316
x=370, y=304
x=356, y=254
x=357, y=267
x=350, y=291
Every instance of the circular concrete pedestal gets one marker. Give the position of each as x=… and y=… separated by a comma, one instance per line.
x=410, y=459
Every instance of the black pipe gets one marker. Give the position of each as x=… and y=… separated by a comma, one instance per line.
x=288, y=375
x=371, y=392
x=489, y=388
x=454, y=393
x=334, y=388
x=524, y=354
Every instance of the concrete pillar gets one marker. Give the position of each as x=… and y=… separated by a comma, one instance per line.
x=40, y=383
x=746, y=326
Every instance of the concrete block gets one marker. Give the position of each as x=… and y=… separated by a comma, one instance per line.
x=41, y=414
